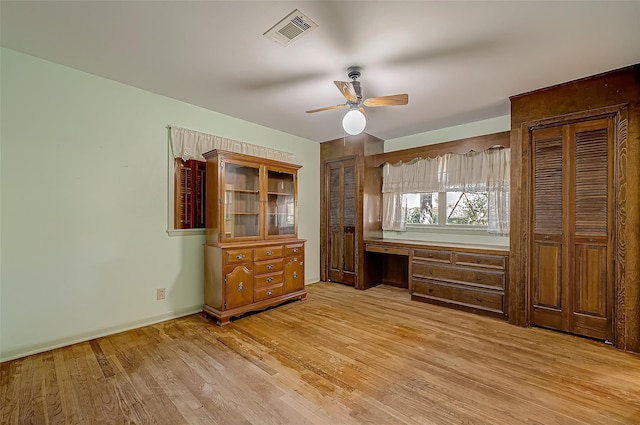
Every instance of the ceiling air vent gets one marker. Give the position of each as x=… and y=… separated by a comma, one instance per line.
x=290, y=28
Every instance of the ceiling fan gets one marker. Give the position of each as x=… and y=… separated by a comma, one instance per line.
x=355, y=119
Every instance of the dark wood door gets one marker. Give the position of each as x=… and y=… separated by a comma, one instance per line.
x=340, y=187
x=571, y=279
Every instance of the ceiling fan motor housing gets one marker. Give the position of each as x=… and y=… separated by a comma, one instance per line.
x=353, y=72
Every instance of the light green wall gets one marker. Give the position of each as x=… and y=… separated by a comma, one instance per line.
x=84, y=205
x=478, y=128
x=472, y=129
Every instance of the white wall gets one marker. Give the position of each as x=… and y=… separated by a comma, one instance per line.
x=478, y=128
x=84, y=205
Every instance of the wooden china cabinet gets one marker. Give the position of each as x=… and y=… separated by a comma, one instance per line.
x=253, y=257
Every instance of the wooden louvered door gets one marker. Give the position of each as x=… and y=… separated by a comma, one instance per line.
x=546, y=291
x=341, y=189
x=571, y=279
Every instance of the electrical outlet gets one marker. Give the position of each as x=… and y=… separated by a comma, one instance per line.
x=160, y=294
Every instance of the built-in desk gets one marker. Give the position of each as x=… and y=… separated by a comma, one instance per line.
x=466, y=276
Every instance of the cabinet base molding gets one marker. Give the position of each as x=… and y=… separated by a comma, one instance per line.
x=223, y=318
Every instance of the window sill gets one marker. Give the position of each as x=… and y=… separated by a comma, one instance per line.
x=451, y=229
x=185, y=232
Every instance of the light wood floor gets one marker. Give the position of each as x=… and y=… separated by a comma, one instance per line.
x=341, y=357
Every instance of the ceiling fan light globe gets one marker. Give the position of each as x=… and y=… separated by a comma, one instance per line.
x=354, y=122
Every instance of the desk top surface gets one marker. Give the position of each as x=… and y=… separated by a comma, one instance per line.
x=495, y=249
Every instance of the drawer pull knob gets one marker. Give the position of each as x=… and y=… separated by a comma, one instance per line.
x=269, y=292
x=478, y=277
x=240, y=287
x=546, y=237
x=295, y=275
x=239, y=256
x=269, y=253
x=430, y=255
x=269, y=279
x=592, y=240
x=295, y=250
x=270, y=266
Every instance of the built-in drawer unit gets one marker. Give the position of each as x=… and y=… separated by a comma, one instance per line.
x=388, y=250
x=465, y=275
x=464, y=278
x=453, y=293
x=432, y=255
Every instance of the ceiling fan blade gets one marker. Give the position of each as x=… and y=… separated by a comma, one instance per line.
x=393, y=100
x=347, y=90
x=361, y=109
x=328, y=108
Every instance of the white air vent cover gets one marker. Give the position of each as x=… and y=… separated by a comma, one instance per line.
x=290, y=28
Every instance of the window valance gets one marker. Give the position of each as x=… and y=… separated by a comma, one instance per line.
x=190, y=144
x=473, y=172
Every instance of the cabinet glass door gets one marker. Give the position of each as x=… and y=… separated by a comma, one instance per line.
x=281, y=203
x=241, y=201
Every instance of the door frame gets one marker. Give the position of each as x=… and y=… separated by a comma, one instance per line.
x=519, y=290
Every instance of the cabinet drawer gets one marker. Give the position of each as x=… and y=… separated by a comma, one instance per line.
x=267, y=279
x=388, y=249
x=470, y=297
x=232, y=256
x=480, y=260
x=468, y=276
x=266, y=292
x=294, y=249
x=268, y=266
x=432, y=255
x=267, y=252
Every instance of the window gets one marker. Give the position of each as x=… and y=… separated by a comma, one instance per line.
x=465, y=190
x=189, y=194
x=448, y=208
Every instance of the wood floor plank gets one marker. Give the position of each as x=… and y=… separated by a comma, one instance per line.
x=341, y=357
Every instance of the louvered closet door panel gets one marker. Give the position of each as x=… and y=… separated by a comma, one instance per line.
x=591, y=179
x=349, y=218
x=335, y=223
x=592, y=289
x=342, y=199
x=546, y=294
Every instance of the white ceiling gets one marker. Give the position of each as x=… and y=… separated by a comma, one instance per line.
x=458, y=61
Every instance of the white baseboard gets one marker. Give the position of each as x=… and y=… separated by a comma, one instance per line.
x=63, y=342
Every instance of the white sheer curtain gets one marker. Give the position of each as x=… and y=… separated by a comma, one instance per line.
x=472, y=172
x=190, y=144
